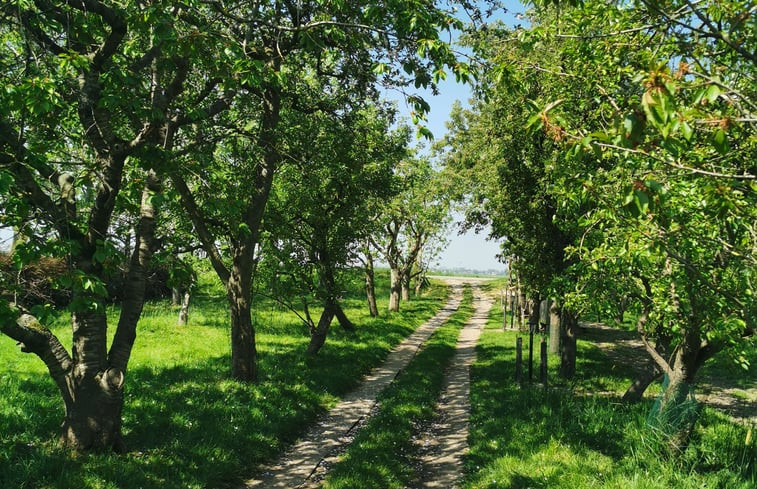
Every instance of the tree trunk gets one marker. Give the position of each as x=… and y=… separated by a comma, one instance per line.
x=568, y=333
x=94, y=396
x=638, y=387
x=344, y=321
x=621, y=309
x=651, y=372
x=677, y=411
x=319, y=333
x=522, y=308
x=370, y=292
x=554, y=328
x=175, y=296
x=238, y=291
x=395, y=289
x=184, y=311
x=370, y=285
x=405, y=281
x=92, y=419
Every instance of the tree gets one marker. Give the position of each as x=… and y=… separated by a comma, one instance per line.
x=419, y=214
x=656, y=169
x=322, y=203
x=359, y=44
x=95, y=96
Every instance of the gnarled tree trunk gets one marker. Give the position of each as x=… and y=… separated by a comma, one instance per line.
x=344, y=321
x=649, y=374
x=320, y=331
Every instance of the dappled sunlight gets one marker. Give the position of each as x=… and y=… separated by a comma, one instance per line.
x=568, y=436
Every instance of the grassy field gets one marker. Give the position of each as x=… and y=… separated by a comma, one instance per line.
x=186, y=425
x=568, y=436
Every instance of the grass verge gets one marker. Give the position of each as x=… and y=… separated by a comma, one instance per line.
x=185, y=424
x=574, y=437
x=381, y=455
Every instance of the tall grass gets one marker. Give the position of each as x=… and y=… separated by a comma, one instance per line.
x=574, y=436
x=187, y=425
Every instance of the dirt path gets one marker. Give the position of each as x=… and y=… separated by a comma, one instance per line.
x=304, y=463
x=626, y=349
x=444, y=444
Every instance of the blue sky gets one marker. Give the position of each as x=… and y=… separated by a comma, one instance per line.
x=470, y=250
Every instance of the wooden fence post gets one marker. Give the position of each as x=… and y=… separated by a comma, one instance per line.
x=543, y=365
x=519, y=360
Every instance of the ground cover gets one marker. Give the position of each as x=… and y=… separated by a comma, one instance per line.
x=579, y=435
x=382, y=453
x=186, y=425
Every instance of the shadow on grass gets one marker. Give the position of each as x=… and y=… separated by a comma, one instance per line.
x=185, y=424
x=516, y=430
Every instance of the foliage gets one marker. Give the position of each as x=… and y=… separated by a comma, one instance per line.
x=321, y=208
x=639, y=161
x=412, y=225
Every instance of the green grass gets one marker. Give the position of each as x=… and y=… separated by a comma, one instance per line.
x=185, y=424
x=381, y=455
x=569, y=436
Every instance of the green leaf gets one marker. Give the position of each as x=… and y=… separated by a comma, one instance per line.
x=711, y=93
x=641, y=201
x=720, y=142
x=686, y=130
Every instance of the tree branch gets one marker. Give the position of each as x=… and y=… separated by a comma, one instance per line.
x=35, y=338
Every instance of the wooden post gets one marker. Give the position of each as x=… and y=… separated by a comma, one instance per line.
x=512, y=310
x=519, y=360
x=543, y=365
x=530, y=353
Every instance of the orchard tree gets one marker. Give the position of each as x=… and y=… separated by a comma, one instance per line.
x=94, y=95
x=321, y=207
x=656, y=123
x=418, y=214
x=357, y=44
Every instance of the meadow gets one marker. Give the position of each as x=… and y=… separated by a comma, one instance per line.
x=186, y=424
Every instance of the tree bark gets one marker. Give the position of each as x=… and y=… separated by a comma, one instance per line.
x=568, y=333
x=92, y=419
x=405, y=281
x=370, y=282
x=395, y=290
x=370, y=292
x=651, y=372
x=175, y=296
x=344, y=321
x=319, y=333
x=638, y=387
x=238, y=292
x=184, y=311
x=554, y=328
